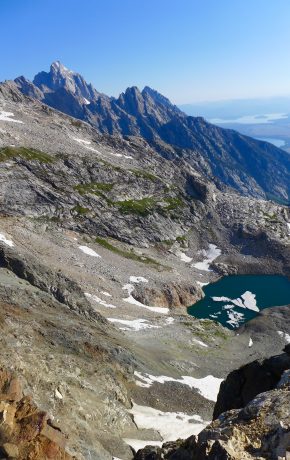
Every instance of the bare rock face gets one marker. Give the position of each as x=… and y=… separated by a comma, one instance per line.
x=171, y=295
x=26, y=432
x=242, y=385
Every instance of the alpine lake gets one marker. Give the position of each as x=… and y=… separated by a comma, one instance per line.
x=234, y=300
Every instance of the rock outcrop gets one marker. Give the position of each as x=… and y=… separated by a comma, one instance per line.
x=242, y=385
x=26, y=433
x=171, y=295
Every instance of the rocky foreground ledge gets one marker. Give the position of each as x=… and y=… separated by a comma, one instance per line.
x=26, y=432
x=259, y=430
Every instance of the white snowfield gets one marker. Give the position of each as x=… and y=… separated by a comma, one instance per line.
x=134, y=325
x=85, y=143
x=247, y=300
x=170, y=425
x=139, y=324
x=6, y=241
x=207, y=386
x=100, y=301
x=284, y=336
x=89, y=251
x=183, y=257
x=288, y=227
x=210, y=255
x=130, y=299
x=199, y=342
x=7, y=116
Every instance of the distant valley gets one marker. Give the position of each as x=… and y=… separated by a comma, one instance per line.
x=262, y=119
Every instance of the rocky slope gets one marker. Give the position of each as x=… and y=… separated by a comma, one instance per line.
x=99, y=238
x=224, y=156
x=26, y=433
x=259, y=430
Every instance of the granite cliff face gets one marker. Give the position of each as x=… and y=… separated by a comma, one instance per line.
x=224, y=156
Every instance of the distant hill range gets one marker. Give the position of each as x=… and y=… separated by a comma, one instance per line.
x=252, y=167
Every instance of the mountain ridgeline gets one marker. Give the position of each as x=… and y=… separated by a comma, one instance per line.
x=251, y=167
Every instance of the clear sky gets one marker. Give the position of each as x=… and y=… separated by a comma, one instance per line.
x=189, y=50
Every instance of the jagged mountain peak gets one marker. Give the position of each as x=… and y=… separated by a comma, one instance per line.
x=60, y=78
x=238, y=161
x=58, y=67
x=156, y=96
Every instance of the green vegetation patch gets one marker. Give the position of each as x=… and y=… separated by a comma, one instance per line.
x=147, y=205
x=93, y=187
x=127, y=254
x=80, y=210
x=141, y=207
x=173, y=203
x=7, y=153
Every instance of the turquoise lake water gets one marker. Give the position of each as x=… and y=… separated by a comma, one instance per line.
x=241, y=297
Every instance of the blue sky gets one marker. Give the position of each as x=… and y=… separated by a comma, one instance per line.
x=189, y=50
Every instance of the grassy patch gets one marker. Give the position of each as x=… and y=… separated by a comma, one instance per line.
x=127, y=254
x=146, y=206
x=141, y=207
x=7, y=153
x=173, y=203
x=93, y=187
x=80, y=210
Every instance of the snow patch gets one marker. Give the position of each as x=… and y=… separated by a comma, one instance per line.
x=86, y=145
x=130, y=299
x=89, y=251
x=251, y=342
x=82, y=141
x=207, y=386
x=183, y=257
x=6, y=241
x=284, y=336
x=138, y=279
x=6, y=116
x=199, y=342
x=100, y=301
x=210, y=255
x=135, y=324
x=288, y=227
x=86, y=101
x=107, y=294
x=169, y=320
x=170, y=425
